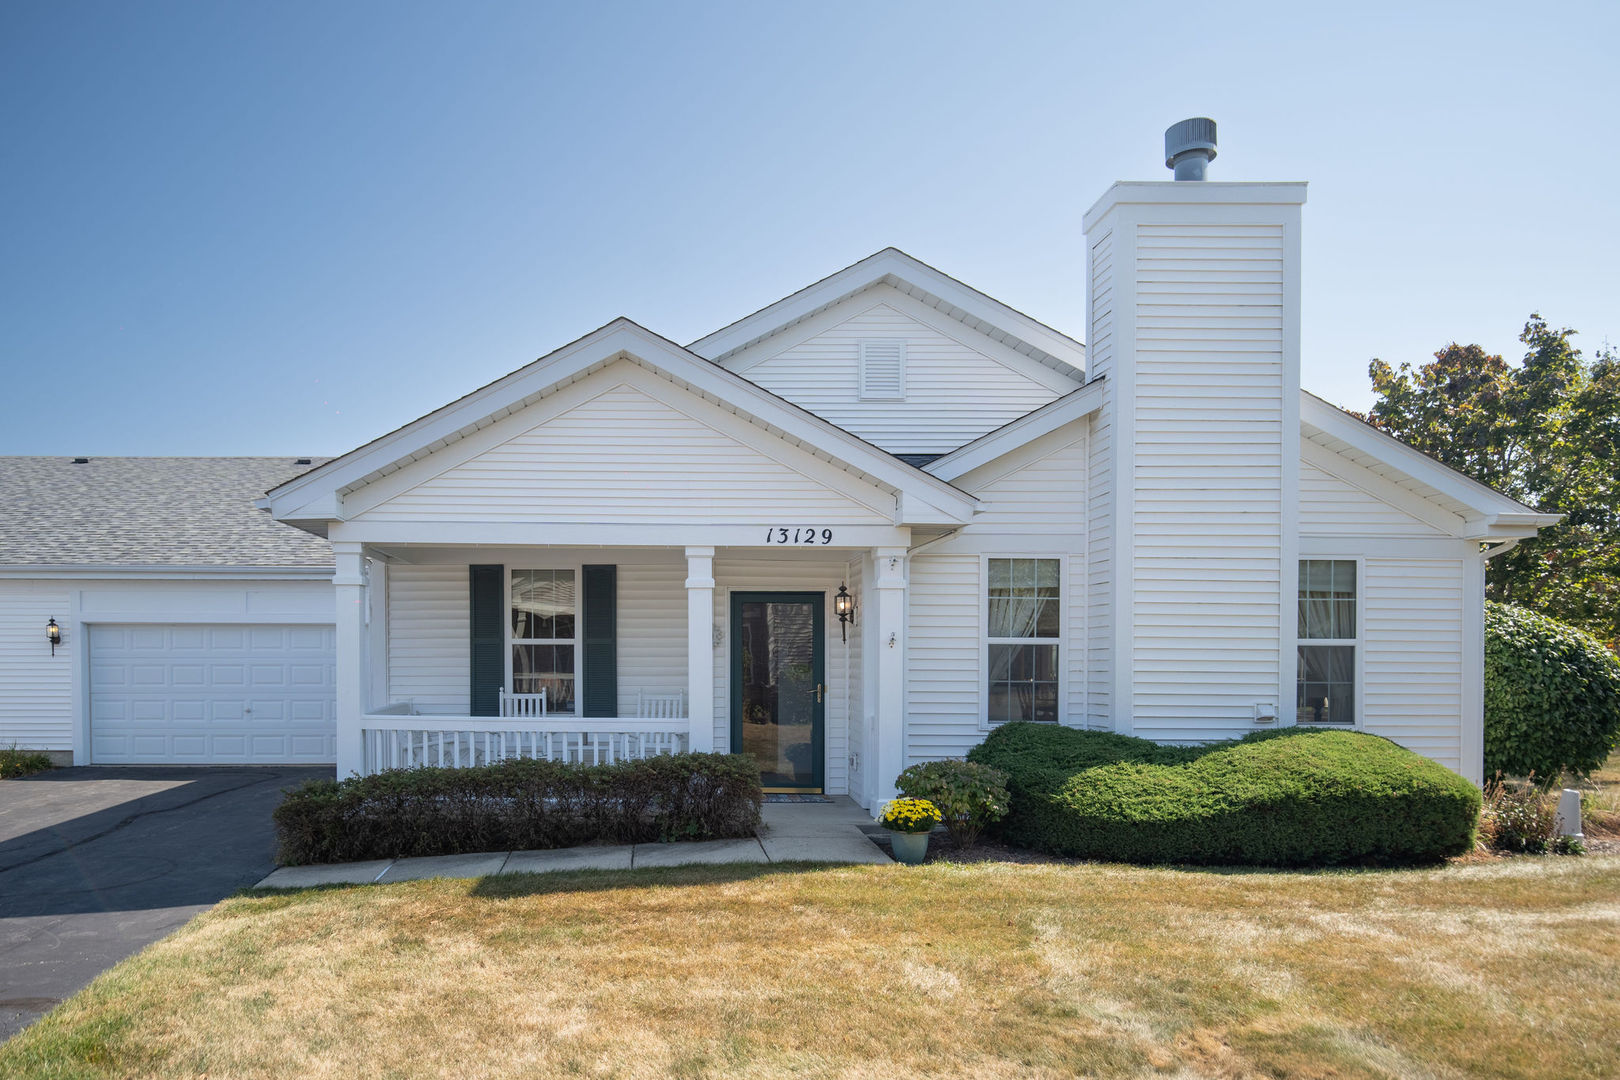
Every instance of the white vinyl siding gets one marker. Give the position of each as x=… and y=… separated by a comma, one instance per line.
x=1412, y=668
x=853, y=659
x=1099, y=561
x=652, y=628
x=36, y=688
x=1329, y=506
x=944, y=657
x=737, y=572
x=1047, y=495
x=1208, y=473
x=953, y=392
x=428, y=643
x=625, y=457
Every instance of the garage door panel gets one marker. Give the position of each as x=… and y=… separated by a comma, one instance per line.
x=212, y=694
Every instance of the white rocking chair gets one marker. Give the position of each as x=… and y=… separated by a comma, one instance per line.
x=523, y=705
x=661, y=706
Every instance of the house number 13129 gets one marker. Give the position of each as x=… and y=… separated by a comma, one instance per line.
x=802, y=535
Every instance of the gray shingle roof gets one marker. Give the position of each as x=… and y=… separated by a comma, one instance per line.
x=149, y=511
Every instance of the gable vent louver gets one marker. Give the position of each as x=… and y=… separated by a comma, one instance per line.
x=883, y=370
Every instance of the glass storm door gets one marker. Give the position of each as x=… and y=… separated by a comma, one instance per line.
x=778, y=686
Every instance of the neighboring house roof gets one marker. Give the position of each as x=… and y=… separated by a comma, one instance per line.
x=148, y=512
x=316, y=496
x=939, y=290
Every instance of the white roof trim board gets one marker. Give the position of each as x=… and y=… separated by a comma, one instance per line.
x=1026, y=429
x=938, y=290
x=318, y=493
x=1493, y=514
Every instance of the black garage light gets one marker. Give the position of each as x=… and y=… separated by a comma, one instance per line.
x=844, y=608
x=53, y=633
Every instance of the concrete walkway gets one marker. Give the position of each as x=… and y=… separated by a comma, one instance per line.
x=788, y=832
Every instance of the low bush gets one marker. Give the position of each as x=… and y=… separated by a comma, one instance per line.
x=1297, y=797
x=1552, y=696
x=15, y=762
x=969, y=795
x=518, y=805
x=1518, y=817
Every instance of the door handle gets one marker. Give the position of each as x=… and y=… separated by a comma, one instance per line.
x=820, y=689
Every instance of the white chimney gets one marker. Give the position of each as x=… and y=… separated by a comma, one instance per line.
x=1194, y=325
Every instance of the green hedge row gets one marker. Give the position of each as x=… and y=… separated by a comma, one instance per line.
x=1297, y=797
x=518, y=805
x=1552, y=696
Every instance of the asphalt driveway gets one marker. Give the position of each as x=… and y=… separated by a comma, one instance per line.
x=95, y=864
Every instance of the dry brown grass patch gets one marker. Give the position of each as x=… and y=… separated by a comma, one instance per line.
x=1504, y=969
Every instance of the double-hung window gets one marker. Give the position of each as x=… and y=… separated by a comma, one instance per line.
x=543, y=636
x=1329, y=634
x=1024, y=621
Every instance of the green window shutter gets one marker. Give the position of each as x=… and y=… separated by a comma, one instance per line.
x=487, y=621
x=600, y=640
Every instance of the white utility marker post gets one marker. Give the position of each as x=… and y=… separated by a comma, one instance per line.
x=352, y=677
x=700, y=648
x=888, y=626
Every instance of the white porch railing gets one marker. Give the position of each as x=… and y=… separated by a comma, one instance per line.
x=395, y=740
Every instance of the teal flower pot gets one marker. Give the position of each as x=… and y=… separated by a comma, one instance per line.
x=910, y=848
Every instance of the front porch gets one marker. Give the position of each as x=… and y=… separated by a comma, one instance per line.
x=637, y=650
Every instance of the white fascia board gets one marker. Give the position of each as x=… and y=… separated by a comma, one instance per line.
x=259, y=573
x=872, y=270
x=1027, y=428
x=399, y=535
x=1491, y=506
x=1386, y=491
x=618, y=339
x=1202, y=192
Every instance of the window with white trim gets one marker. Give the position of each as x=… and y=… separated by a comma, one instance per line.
x=1024, y=598
x=883, y=369
x=544, y=616
x=1329, y=635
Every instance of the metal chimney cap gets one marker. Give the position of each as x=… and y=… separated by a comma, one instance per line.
x=1194, y=138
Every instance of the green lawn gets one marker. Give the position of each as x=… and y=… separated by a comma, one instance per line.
x=1501, y=968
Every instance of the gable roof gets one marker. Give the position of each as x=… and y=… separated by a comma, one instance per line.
x=149, y=513
x=316, y=496
x=1494, y=514
x=917, y=279
x=1026, y=429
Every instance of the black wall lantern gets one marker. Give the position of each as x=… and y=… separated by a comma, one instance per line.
x=844, y=608
x=53, y=633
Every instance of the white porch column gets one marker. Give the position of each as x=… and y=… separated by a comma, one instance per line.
x=700, y=648
x=353, y=680
x=887, y=624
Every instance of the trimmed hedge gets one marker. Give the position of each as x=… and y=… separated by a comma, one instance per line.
x=518, y=805
x=1552, y=696
x=1296, y=797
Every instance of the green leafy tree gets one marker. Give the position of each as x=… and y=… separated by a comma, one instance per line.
x=1546, y=432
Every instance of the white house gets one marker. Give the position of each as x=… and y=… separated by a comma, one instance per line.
x=1159, y=535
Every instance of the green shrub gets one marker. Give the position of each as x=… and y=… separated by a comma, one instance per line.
x=15, y=762
x=1295, y=797
x=1552, y=696
x=518, y=805
x=969, y=795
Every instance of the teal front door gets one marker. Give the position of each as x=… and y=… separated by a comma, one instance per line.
x=779, y=686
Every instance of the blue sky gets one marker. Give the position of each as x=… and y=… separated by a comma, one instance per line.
x=287, y=228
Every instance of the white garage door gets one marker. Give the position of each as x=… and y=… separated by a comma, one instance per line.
x=211, y=695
